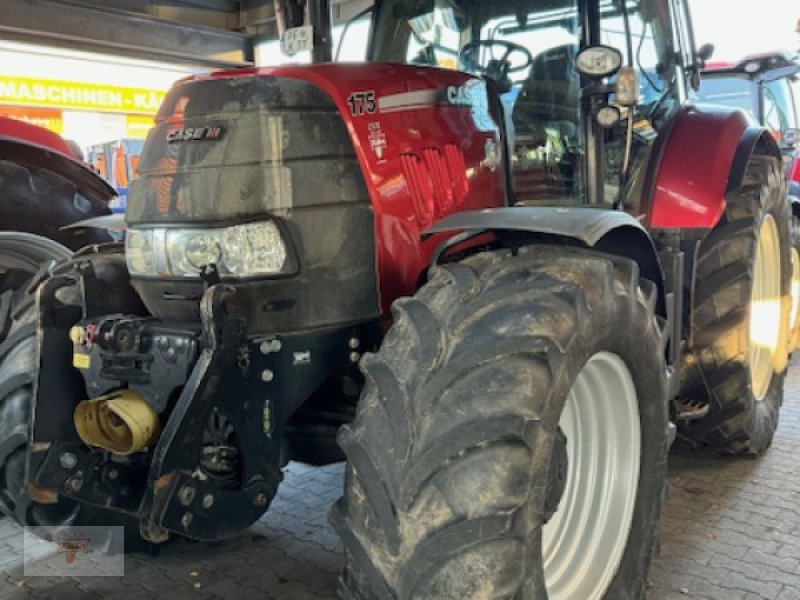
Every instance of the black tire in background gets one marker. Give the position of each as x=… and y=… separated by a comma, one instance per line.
x=744, y=374
x=35, y=204
x=465, y=441
x=17, y=372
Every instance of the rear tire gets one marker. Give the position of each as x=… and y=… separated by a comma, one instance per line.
x=477, y=421
x=794, y=313
x=737, y=263
x=35, y=204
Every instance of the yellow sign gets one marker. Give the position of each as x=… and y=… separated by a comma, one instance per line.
x=81, y=361
x=43, y=117
x=78, y=96
x=138, y=126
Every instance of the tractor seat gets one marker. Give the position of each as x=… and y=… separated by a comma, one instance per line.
x=551, y=93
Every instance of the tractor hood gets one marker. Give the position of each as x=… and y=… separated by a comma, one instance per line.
x=235, y=148
x=38, y=148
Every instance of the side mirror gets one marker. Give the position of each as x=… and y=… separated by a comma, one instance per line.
x=705, y=52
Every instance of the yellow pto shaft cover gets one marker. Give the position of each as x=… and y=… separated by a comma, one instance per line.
x=121, y=422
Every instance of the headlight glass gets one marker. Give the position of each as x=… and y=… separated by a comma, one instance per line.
x=139, y=252
x=253, y=249
x=242, y=251
x=190, y=251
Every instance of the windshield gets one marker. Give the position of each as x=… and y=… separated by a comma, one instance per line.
x=736, y=92
x=436, y=32
x=528, y=50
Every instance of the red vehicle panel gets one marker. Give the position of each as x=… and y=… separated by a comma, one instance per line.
x=427, y=145
x=20, y=131
x=691, y=181
x=793, y=170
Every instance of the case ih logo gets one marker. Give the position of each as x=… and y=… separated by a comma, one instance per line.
x=71, y=544
x=193, y=134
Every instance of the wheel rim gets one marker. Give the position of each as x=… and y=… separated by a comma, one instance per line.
x=765, y=308
x=22, y=251
x=583, y=543
x=795, y=288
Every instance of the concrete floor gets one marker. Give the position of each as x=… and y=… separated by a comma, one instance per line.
x=730, y=531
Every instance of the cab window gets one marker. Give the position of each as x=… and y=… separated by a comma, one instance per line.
x=779, y=111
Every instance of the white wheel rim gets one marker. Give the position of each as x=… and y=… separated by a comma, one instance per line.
x=795, y=288
x=26, y=251
x=583, y=543
x=765, y=308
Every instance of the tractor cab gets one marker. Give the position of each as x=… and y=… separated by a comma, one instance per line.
x=567, y=76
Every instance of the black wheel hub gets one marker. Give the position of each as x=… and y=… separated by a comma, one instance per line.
x=221, y=458
x=557, y=475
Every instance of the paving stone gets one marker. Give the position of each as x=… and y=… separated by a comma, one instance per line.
x=730, y=531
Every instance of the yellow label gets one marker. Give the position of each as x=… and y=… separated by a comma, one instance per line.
x=79, y=96
x=48, y=118
x=81, y=361
x=137, y=126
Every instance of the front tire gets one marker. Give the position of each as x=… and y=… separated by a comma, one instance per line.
x=511, y=439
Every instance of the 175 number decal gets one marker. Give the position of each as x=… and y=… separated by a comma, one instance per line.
x=362, y=103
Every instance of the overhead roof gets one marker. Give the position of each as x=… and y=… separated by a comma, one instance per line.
x=199, y=32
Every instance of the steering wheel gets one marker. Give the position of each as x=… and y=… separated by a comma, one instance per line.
x=497, y=68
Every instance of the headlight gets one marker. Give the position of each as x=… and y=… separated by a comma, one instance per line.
x=139, y=252
x=253, y=249
x=240, y=251
x=191, y=250
x=599, y=61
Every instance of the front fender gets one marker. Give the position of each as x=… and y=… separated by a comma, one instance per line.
x=606, y=230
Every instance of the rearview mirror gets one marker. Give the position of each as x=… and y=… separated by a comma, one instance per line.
x=705, y=52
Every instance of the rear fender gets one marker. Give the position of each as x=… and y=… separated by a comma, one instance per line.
x=703, y=160
x=605, y=230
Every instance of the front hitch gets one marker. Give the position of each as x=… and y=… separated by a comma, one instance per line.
x=186, y=482
x=183, y=494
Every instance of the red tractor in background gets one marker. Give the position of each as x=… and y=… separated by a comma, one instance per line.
x=765, y=85
x=44, y=187
x=496, y=287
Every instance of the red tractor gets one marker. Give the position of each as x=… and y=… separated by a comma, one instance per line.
x=764, y=85
x=44, y=187
x=496, y=286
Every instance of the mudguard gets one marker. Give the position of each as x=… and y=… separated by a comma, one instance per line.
x=703, y=158
x=33, y=146
x=606, y=230
x=46, y=187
